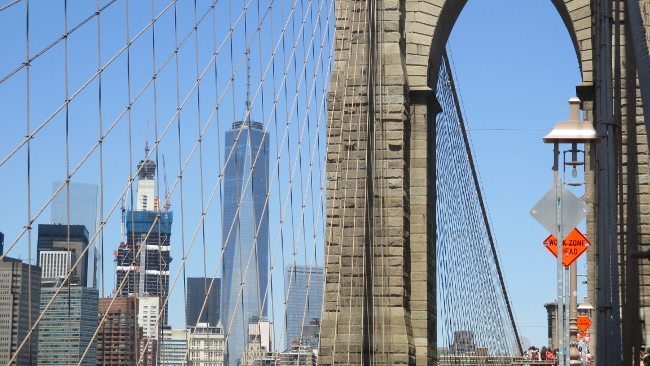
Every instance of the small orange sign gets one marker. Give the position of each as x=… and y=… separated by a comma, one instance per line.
x=584, y=337
x=572, y=246
x=583, y=323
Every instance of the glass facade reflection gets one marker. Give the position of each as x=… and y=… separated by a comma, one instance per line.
x=197, y=288
x=84, y=210
x=245, y=232
x=68, y=326
x=83, y=205
x=304, y=286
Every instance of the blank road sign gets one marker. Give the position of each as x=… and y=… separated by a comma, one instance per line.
x=573, y=211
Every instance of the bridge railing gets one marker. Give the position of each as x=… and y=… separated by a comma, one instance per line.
x=521, y=361
x=478, y=360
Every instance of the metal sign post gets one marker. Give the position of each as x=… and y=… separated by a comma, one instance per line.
x=560, y=211
x=560, y=267
x=567, y=209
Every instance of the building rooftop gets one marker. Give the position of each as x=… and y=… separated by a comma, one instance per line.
x=251, y=124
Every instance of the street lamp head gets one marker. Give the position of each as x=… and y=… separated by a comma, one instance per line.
x=585, y=306
x=574, y=130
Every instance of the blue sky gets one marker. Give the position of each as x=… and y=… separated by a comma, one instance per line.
x=515, y=68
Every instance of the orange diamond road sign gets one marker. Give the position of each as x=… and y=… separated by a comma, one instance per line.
x=583, y=323
x=572, y=246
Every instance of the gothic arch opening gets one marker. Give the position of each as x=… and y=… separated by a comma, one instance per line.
x=513, y=85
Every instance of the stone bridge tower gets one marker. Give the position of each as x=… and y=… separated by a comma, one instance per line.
x=380, y=295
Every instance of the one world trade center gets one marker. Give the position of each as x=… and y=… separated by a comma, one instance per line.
x=245, y=233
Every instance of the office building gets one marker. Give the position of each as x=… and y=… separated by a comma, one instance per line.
x=197, y=288
x=81, y=209
x=20, y=292
x=83, y=205
x=206, y=345
x=118, y=336
x=2, y=242
x=55, y=264
x=259, y=349
x=54, y=238
x=245, y=233
x=148, y=349
x=297, y=355
x=304, y=288
x=173, y=348
x=310, y=335
x=143, y=261
x=148, y=313
x=463, y=342
x=67, y=326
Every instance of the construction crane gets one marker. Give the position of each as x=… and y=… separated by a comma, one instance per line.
x=167, y=204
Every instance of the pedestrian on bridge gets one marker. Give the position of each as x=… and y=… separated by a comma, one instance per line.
x=536, y=355
x=549, y=354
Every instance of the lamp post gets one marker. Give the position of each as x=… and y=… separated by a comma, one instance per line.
x=573, y=131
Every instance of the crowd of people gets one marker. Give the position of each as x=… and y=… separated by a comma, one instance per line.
x=547, y=354
x=534, y=353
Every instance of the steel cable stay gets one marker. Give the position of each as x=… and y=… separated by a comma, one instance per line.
x=316, y=223
x=231, y=230
x=31, y=134
x=65, y=36
x=65, y=280
x=97, y=144
x=469, y=144
x=470, y=313
x=288, y=199
x=301, y=169
x=309, y=178
x=479, y=197
x=125, y=111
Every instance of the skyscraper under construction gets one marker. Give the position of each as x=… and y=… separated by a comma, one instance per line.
x=143, y=260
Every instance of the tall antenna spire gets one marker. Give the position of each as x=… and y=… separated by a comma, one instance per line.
x=146, y=143
x=248, y=84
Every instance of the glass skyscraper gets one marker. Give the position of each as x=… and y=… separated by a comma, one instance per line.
x=245, y=233
x=83, y=205
x=84, y=210
x=19, y=309
x=68, y=326
x=304, y=288
x=57, y=239
x=197, y=288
